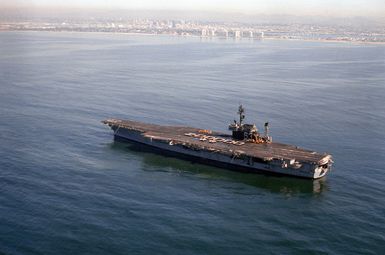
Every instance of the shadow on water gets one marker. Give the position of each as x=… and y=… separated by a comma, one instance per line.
x=276, y=184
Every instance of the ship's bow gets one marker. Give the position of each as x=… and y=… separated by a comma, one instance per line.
x=323, y=167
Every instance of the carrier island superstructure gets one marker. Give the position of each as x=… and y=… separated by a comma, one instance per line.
x=245, y=149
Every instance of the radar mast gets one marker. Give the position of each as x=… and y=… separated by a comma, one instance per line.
x=241, y=112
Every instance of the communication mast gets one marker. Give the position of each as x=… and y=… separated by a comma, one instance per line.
x=241, y=112
x=266, y=129
x=267, y=137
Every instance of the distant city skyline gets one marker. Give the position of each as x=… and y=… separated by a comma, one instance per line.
x=341, y=8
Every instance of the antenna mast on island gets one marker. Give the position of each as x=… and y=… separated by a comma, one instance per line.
x=241, y=112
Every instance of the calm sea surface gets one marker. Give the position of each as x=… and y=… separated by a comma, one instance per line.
x=67, y=188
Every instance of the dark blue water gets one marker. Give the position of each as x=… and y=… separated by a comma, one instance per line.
x=67, y=188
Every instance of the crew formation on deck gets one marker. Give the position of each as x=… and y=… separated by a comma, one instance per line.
x=213, y=139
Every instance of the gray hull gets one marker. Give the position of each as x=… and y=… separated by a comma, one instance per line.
x=249, y=164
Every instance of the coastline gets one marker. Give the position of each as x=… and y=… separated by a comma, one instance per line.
x=208, y=37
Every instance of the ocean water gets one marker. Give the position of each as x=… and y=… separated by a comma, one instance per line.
x=67, y=188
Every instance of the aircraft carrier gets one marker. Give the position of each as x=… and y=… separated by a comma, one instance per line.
x=245, y=149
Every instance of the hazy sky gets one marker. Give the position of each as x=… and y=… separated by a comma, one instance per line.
x=293, y=7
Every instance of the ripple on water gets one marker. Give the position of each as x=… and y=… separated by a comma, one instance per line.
x=67, y=188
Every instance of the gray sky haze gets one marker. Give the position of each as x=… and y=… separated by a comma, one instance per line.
x=337, y=8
